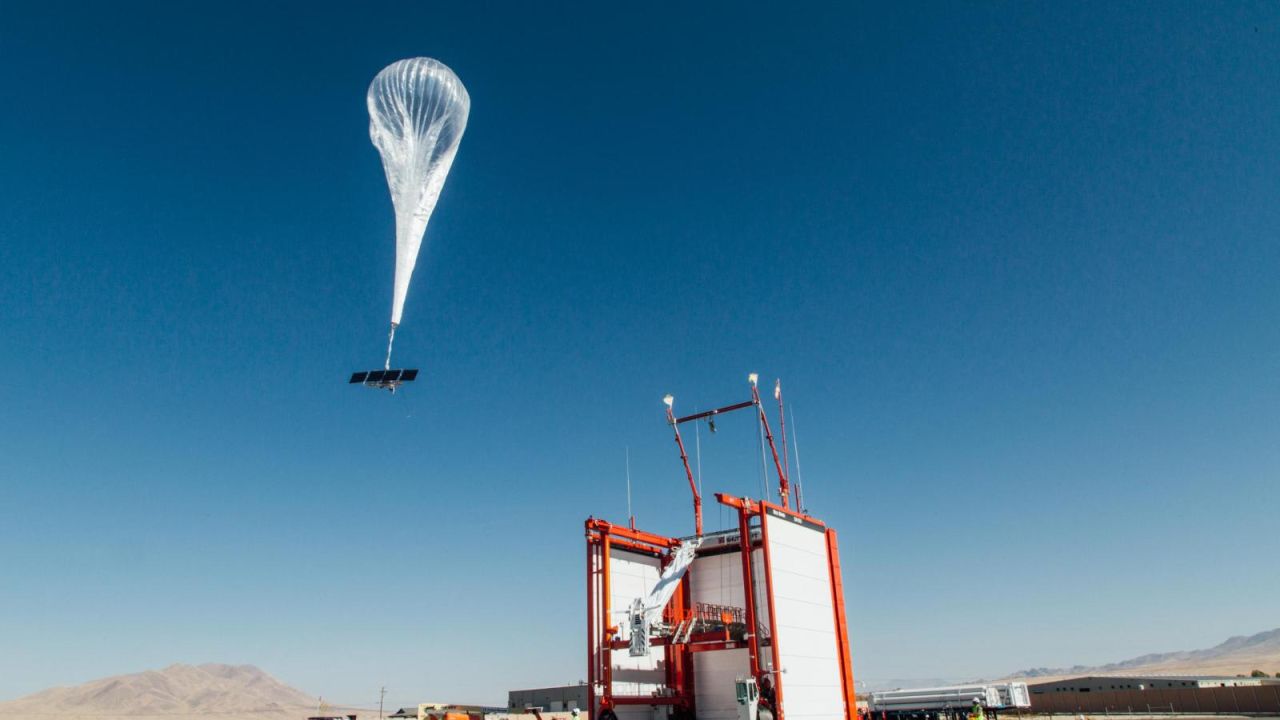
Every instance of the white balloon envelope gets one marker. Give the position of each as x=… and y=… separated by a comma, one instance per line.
x=417, y=113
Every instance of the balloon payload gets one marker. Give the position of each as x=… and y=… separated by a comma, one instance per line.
x=418, y=111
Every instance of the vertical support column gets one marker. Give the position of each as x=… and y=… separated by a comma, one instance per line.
x=749, y=586
x=686, y=655
x=591, y=629
x=842, y=628
x=773, y=616
x=606, y=657
x=671, y=614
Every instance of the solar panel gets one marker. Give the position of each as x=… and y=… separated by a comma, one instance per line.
x=385, y=379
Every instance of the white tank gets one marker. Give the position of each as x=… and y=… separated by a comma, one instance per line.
x=937, y=698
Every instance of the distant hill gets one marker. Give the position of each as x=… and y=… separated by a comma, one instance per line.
x=1238, y=655
x=178, y=691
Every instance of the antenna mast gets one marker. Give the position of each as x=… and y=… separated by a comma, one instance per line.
x=630, y=517
x=795, y=441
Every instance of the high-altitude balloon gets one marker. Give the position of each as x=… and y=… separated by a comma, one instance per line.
x=417, y=112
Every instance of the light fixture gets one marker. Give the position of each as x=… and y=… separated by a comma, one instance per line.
x=668, y=400
x=752, y=378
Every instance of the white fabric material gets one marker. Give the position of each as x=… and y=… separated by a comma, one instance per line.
x=417, y=113
x=667, y=585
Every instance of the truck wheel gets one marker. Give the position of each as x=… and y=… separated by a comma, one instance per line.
x=764, y=713
x=608, y=714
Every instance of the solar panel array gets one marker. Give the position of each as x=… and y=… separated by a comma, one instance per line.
x=383, y=377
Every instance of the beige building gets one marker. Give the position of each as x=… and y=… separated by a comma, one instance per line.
x=551, y=699
x=1105, y=683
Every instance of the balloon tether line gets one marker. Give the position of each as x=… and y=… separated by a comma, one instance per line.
x=391, y=338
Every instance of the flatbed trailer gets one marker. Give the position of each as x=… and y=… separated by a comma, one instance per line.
x=952, y=702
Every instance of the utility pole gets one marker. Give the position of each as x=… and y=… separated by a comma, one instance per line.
x=382, y=693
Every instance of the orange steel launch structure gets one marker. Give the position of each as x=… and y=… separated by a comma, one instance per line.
x=699, y=628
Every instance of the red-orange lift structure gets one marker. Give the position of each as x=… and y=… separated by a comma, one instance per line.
x=762, y=602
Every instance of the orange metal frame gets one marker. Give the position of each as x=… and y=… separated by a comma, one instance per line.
x=603, y=635
x=842, y=626
x=759, y=508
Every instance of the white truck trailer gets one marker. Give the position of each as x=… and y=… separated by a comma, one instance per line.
x=1014, y=695
x=954, y=701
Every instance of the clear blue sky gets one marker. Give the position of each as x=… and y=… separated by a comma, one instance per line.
x=1016, y=264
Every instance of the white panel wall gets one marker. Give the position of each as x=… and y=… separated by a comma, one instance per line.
x=632, y=575
x=812, y=687
x=713, y=676
x=718, y=579
x=762, y=610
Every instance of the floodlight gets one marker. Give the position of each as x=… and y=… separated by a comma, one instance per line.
x=752, y=378
x=667, y=400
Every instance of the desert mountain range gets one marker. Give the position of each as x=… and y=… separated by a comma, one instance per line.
x=1237, y=655
x=177, y=692
x=244, y=692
